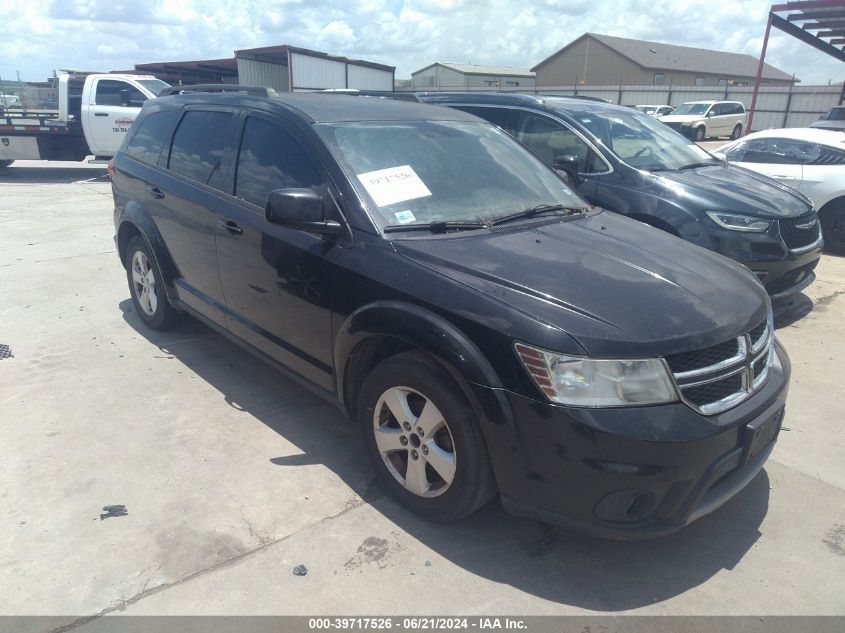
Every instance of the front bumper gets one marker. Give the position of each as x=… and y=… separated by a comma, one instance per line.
x=638, y=472
x=781, y=270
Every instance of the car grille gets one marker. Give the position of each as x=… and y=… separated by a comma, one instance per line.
x=800, y=231
x=719, y=377
x=790, y=279
x=676, y=126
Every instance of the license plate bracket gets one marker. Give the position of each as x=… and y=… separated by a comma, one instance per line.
x=761, y=432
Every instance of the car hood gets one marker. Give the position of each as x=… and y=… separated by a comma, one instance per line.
x=731, y=188
x=681, y=118
x=829, y=125
x=617, y=286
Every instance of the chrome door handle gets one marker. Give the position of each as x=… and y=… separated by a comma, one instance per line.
x=229, y=227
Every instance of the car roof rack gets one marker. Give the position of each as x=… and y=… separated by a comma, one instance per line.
x=251, y=90
x=384, y=94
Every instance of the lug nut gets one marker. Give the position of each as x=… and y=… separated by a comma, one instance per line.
x=407, y=426
x=414, y=454
x=425, y=450
x=403, y=440
x=420, y=431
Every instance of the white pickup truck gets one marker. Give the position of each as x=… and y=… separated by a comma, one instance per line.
x=95, y=110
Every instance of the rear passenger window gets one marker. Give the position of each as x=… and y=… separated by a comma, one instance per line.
x=198, y=146
x=269, y=159
x=150, y=136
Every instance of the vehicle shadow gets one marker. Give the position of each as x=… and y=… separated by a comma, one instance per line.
x=792, y=311
x=38, y=175
x=557, y=565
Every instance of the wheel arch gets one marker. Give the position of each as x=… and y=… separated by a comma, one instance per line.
x=382, y=329
x=138, y=224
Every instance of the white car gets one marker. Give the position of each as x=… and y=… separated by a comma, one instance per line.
x=656, y=111
x=699, y=120
x=811, y=160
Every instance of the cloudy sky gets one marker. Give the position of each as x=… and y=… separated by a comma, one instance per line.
x=37, y=37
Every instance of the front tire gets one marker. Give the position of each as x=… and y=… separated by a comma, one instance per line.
x=832, y=218
x=423, y=439
x=737, y=132
x=700, y=133
x=146, y=286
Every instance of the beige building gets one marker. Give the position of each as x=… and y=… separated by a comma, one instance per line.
x=603, y=60
x=444, y=76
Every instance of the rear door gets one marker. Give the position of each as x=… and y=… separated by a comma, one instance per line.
x=114, y=105
x=277, y=281
x=183, y=194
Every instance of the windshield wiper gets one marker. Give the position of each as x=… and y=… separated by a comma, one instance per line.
x=536, y=210
x=694, y=165
x=439, y=226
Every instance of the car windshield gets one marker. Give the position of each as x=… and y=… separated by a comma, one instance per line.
x=691, y=108
x=836, y=114
x=419, y=172
x=154, y=85
x=642, y=141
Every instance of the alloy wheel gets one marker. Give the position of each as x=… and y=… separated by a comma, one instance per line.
x=414, y=442
x=144, y=283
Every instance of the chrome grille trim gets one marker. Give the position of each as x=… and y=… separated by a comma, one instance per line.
x=748, y=354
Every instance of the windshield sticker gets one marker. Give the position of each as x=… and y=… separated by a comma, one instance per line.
x=392, y=185
x=404, y=217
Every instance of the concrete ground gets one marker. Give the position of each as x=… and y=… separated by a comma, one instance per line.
x=232, y=475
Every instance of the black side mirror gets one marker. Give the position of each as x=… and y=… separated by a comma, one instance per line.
x=302, y=209
x=125, y=97
x=568, y=166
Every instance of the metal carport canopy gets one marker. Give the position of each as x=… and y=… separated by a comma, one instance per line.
x=826, y=17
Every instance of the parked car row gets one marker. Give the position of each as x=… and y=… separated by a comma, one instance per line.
x=462, y=288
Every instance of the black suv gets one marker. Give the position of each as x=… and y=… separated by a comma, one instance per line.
x=628, y=162
x=488, y=330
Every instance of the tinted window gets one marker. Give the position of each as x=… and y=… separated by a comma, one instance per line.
x=198, y=146
x=151, y=135
x=549, y=139
x=497, y=116
x=777, y=151
x=270, y=158
x=108, y=93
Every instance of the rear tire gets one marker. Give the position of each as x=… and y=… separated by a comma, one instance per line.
x=700, y=133
x=737, y=131
x=423, y=439
x=832, y=218
x=146, y=285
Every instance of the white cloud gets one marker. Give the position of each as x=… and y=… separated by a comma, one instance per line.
x=409, y=34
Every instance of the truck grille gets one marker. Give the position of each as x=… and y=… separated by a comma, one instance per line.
x=800, y=231
x=719, y=377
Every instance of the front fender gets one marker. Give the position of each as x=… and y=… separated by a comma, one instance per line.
x=436, y=336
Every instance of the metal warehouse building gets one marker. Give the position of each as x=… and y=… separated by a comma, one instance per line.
x=441, y=75
x=604, y=60
x=284, y=68
x=292, y=69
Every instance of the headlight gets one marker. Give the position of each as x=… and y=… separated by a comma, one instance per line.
x=587, y=382
x=736, y=222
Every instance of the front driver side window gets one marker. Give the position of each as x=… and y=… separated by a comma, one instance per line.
x=549, y=139
x=111, y=92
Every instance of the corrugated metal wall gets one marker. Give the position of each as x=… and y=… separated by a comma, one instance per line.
x=254, y=73
x=777, y=106
x=364, y=78
x=316, y=73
